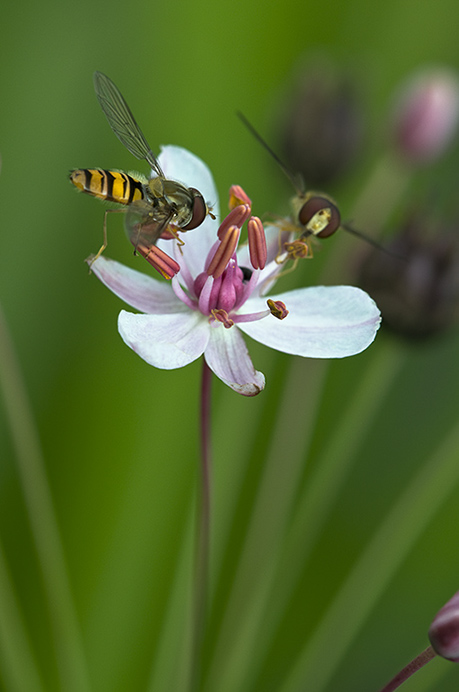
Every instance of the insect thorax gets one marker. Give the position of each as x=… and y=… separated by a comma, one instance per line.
x=173, y=196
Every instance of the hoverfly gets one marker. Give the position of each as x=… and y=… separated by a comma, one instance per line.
x=314, y=214
x=156, y=207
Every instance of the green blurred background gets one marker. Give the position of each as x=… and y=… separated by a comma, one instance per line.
x=120, y=439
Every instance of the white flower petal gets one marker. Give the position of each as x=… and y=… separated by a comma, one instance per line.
x=165, y=341
x=183, y=166
x=323, y=322
x=227, y=356
x=139, y=290
x=268, y=276
x=273, y=241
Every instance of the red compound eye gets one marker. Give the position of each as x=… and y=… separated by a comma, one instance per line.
x=199, y=211
x=320, y=216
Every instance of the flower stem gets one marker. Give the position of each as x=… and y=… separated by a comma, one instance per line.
x=201, y=576
x=409, y=670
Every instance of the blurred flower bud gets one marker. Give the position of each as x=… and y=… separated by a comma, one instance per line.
x=321, y=129
x=444, y=630
x=417, y=286
x=426, y=115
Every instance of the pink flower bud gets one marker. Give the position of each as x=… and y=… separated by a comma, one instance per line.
x=444, y=630
x=426, y=115
x=322, y=127
x=415, y=283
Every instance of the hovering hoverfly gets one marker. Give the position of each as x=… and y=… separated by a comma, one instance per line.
x=156, y=207
x=314, y=214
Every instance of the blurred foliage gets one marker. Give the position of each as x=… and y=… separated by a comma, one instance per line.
x=120, y=439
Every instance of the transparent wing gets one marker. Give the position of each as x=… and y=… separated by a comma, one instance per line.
x=143, y=226
x=122, y=121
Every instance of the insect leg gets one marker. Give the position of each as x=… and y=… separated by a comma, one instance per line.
x=105, y=243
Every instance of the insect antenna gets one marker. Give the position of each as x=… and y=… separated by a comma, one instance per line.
x=297, y=183
x=350, y=229
x=295, y=180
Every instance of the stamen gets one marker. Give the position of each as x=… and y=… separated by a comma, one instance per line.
x=238, y=196
x=222, y=316
x=224, y=252
x=237, y=217
x=277, y=308
x=204, y=292
x=257, y=243
x=158, y=259
x=251, y=316
x=182, y=294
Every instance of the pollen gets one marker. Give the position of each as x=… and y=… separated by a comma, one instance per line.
x=222, y=316
x=277, y=309
x=238, y=196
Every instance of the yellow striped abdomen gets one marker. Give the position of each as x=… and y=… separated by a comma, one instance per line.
x=112, y=186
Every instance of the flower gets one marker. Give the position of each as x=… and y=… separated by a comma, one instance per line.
x=218, y=294
x=426, y=115
x=321, y=132
x=417, y=284
x=444, y=630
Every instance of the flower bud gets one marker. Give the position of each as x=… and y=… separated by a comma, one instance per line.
x=444, y=630
x=416, y=286
x=321, y=131
x=426, y=115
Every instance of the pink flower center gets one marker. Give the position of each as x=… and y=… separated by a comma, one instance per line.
x=223, y=287
x=227, y=292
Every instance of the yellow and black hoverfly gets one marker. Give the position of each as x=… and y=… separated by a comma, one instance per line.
x=314, y=214
x=156, y=206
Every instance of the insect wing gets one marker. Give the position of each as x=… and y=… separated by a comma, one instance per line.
x=122, y=122
x=142, y=225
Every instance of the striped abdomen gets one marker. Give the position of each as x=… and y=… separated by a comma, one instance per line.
x=112, y=186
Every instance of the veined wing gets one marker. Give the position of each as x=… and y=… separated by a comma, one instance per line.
x=143, y=226
x=122, y=122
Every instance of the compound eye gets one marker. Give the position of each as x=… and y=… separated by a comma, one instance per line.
x=320, y=217
x=199, y=211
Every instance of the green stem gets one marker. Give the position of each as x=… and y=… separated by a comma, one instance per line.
x=384, y=188
x=43, y=520
x=328, y=477
x=170, y=668
x=370, y=576
x=18, y=667
x=235, y=660
x=201, y=579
